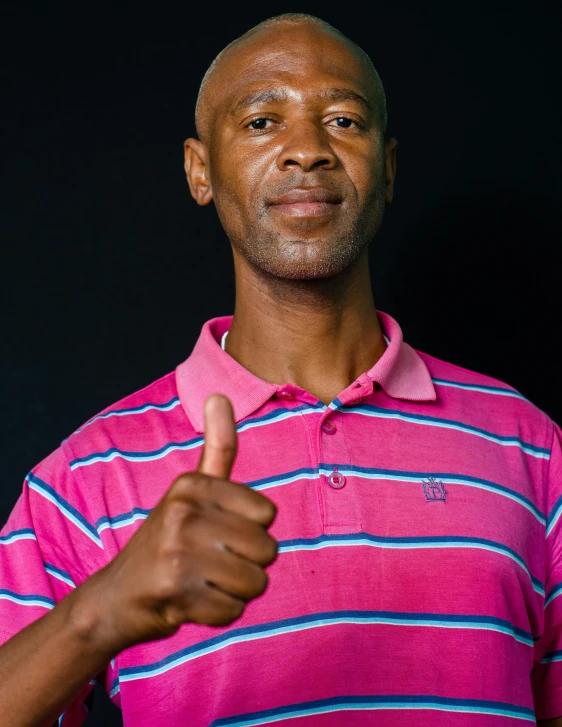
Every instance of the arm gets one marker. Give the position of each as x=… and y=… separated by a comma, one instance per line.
x=46, y=664
x=550, y=722
x=202, y=552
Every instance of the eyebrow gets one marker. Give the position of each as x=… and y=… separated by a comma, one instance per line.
x=273, y=95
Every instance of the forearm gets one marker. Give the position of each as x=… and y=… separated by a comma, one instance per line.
x=44, y=666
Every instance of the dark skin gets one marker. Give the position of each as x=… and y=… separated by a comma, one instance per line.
x=304, y=310
x=302, y=281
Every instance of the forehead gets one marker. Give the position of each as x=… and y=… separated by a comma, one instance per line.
x=303, y=58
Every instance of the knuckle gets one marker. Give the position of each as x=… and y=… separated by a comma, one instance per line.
x=222, y=615
x=236, y=609
x=191, y=484
x=260, y=582
x=270, y=511
x=270, y=550
x=165, y=589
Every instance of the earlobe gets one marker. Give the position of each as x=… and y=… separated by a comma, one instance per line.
x=196, y=171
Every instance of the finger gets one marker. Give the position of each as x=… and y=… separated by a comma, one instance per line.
x=231, y=498
x=236, y=576
x=215, y=608
x=248, y=540
x=219, y=446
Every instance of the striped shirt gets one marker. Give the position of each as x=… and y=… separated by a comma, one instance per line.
x=418, y=521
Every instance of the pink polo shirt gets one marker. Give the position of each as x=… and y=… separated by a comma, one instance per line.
x=418, y=575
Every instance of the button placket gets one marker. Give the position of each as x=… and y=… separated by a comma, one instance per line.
x=336, y=490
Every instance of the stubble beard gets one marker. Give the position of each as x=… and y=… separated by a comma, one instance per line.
x=294, y=258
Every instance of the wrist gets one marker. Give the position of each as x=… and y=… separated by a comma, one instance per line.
x=90, y=617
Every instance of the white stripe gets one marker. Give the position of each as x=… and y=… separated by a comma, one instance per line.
x=483, y=389
x=122, y=523
x=15, y=538
x=127, y=412
x=67, y=515
x=278, y=418
x=556, y=519
x=443, y=425
x=411, y=546
x=321, y=622
x=60, y=577
x=22, y=602
x=551, y=598
x=414, y=480
x=136, y=457
x=463, y=709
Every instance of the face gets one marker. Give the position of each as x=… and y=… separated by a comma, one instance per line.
x=294, y=156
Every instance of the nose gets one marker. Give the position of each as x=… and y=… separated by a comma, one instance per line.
x=307, y=147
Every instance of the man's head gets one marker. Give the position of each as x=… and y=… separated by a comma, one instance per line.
x=291, y=119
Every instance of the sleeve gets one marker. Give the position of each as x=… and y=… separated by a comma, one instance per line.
x=546, y=676
x=48, y=546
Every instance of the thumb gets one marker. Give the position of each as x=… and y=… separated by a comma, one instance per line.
x=219, y=447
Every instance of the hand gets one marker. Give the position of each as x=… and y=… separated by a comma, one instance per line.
x=200, y=555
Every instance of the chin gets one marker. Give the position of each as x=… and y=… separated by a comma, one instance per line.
x=315, y=269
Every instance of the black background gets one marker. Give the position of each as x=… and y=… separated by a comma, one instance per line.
x=109, y=268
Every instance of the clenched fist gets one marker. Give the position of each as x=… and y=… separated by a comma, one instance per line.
x=200, y=555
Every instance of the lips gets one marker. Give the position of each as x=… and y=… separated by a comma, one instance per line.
x=307, y=195
x=306, y=202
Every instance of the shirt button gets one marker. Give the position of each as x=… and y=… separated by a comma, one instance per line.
x=329, y=427
x=285, y=395
x=336, y=480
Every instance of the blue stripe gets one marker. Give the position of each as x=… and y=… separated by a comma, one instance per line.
x=444, y=541
x=15, y=535
x=498, y=390
x=331, y=618
x=70, y=512
x=377, y=411
x=133, y=410
x=552, y=519
x=62, y=575
x=376, y=473
x=309, y=473
x=384, y=702
x=552, y=656
x=553, y=593
x=119, y=521
x=26, y=600
x=113, y=452
x=303, y=473
x=278, y=415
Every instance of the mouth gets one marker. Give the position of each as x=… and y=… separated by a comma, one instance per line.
x=307, y=202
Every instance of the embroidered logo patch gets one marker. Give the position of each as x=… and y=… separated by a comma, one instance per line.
x=434, y=490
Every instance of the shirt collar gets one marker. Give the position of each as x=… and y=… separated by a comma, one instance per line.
x=400, y=371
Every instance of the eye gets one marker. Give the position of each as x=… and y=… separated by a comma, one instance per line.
x=258, y=124
x=344, y=122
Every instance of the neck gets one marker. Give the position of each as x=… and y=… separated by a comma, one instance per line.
x=317, y=334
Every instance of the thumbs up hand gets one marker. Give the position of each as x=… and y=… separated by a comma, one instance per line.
x=199, y=557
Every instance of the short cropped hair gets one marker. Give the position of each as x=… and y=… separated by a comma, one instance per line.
x=293, y=18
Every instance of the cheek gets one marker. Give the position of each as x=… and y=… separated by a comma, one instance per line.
x=237, y=180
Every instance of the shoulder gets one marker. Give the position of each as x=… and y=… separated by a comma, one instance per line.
x=487, y=399
x=126, y=423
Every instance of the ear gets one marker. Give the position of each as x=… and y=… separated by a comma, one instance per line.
x=390, y=167
x=196, y=169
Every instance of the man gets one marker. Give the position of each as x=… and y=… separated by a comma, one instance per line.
x=407, y=510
